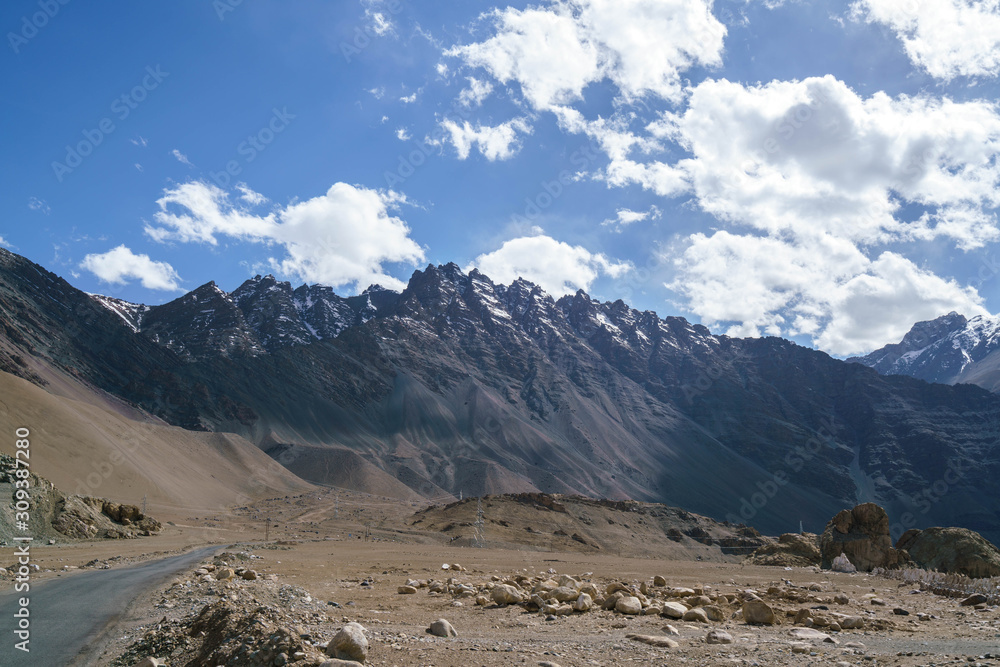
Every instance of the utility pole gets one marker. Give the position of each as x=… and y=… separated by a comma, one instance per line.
x=267, y=528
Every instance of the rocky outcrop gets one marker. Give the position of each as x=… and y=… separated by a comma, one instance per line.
x=791, y=550
x=57, y=515
x=952, y=550
x=861, y=534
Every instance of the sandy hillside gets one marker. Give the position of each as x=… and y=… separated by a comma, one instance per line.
x=87, y=449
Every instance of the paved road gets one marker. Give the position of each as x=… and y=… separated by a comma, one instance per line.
x=69, y=613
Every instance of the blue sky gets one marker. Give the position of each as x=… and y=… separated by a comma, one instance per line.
x=823, y=171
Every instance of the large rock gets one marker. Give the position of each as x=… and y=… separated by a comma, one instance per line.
x=952, y=550
x=628, y=605
x=506, y=594
x=350, y=643
x=756, y=612
x=791, y=550
x=442, y=628
x=674, y=609
x=862, y=534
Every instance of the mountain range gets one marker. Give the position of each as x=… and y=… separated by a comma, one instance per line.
x=458, y=385
x=951, y=349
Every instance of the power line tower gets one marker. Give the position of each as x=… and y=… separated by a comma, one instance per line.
x=479, y=536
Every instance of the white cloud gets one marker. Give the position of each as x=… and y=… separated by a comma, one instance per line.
x=402, y=134
x=477, y=91
x=813, y=153
x=380, y=24
x=140, y=141
x=625, y=217
x=442, y=69
x=557, y=267
x=378, y=93
x=555, y=50
x=948, y=38
x=341, y=238
x=817, y=176
x=183, y=159
x=5, y=243
x=410, y=99
x=250, y=196
x=120, y=265
x=138, y=167
x=36, y=204
x=495, y=143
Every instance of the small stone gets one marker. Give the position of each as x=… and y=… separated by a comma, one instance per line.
x=442, y=628
x=878, y=602
x=718, y=637
x=224, y=574
x=899, y=611
x=150, y=662
x=800, y=647
x=249, y=575
x=840, y=598
x=659, y=581
x=715, y=614
x=406, y=590
x=652, y=640
x=671, y=630
x=696, y=615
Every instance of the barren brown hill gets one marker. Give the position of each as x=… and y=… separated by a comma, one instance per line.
x=90, y=450
x=539, y=521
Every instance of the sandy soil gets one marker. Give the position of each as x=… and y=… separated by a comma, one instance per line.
x=319, y=557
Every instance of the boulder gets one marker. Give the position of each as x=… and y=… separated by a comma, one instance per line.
x=442, y=628
x=843, y=564
x=791, y=550
x=406, y=590
x=757, y=612
x=583, y=603
x=628, y=604
x=718, y=637
x=696, y=615
x=952, y=550
x=862, y=534
x=674, y=609
x=350, y=643
x=564, y=594
x=506, y=594
x=224, y=574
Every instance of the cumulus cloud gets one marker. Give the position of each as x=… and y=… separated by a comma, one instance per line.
x=4, y=242
x=553, y=51
x=817, y=176
x=120, y=266
x=557, y=267
x=814, y=284
x=948, y=38
x=343, y=237
x=495, y=143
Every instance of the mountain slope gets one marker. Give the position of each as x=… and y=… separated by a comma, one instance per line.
x=459, y=385
x=949, y=350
